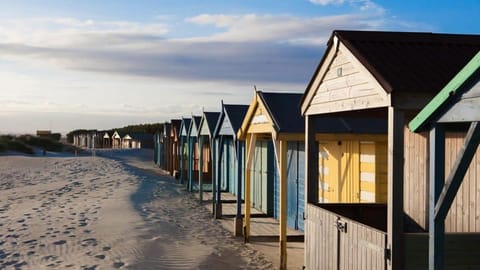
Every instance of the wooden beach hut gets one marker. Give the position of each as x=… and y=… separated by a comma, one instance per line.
x=206, y=148
x=273, y=130
x=167, y=146
x=116, y=140
x=175, y=146
x=126, y=141
x=229, y=160
x=387, y=76
x=184, y=150
x=453, y=171
x=106, y=141
x=193, y=152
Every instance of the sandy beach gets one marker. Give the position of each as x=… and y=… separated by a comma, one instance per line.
x=112, y=212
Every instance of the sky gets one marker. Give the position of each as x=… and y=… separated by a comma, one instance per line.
x=92, y=64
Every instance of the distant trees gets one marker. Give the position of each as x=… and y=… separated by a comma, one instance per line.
x=141, y=128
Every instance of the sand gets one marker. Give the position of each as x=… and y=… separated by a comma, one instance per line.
x=112, y=212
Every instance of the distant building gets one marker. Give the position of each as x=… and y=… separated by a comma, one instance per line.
x=44, y=133
x=103, y=139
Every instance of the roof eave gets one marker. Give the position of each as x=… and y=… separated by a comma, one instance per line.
x=420, y=121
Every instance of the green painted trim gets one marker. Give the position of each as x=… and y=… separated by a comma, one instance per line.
x=424, y=115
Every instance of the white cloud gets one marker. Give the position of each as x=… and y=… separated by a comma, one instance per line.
x=327, y=2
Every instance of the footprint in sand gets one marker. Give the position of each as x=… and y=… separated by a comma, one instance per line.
x=117, y=265
x=89, y=242
x=100, y=256
x=59, y=242
x=84, y=267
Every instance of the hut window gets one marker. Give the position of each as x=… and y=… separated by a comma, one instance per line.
x=339, y=72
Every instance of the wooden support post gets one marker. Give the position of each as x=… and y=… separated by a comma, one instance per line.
x=238, y=223
x=437, y=176
x=190, y=163
x=283, y=203
x=213, y=149
x=250, y=153
x=200, y=167
x=311, y=162
x=182, y=158
x=396, y=125
x=311, y=180
x=218, y=206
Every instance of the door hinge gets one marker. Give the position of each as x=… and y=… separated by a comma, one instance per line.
x=304, y=216
x=387, y=254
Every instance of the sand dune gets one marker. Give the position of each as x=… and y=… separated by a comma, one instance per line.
x=108, y=213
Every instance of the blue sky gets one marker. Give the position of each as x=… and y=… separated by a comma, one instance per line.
x=103, y=64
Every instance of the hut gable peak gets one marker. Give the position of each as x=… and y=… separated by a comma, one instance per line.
x=185, y=125
x=357, y=64
x=272, y=112
x=194, y=124
x=208, y=123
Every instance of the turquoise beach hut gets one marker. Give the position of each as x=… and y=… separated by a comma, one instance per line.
x=206, y=150
x=230, y=159
x=184, y=152
x=193, y=152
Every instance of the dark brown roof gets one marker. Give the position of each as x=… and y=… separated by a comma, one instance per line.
x=403, y=61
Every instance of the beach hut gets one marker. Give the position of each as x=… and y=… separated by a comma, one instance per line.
x=274, y=174
x=126, y=141
x=387, y=76
x=229, y=160
x=175, y=146
x=116, y=140
x=454, y=110
x=106, y=142
x=193, y=152
x=206, y=148
x=167, y=146
x=184, y=152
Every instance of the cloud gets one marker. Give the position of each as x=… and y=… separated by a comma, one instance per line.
x=249, y=48
x=327, y=2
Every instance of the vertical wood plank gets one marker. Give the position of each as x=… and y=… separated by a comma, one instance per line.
x=396, y=123
x=437, y=177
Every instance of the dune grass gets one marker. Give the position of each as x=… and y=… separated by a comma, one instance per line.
x=27, y=143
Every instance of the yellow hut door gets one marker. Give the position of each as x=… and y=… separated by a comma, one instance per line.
x=339, y=172
x=349, y=176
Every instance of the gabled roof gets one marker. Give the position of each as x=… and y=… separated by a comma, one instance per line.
x=284, y=108
x=211, y=119
x=185, y=124
x=235, y=113
x=283, y=113
x=176, y=123
x=447, y=93
x=196, y=122
x=405, y=61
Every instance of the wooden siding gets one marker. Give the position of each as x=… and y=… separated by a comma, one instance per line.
x=466, y=109
x=464, y=215
x=327, y=247
x=226, y=127
x=352, y=171
x=415, y=202
x=461, y=251
x=346, y=86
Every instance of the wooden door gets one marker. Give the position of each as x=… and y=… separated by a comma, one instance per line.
x=295, y=184
x=339, y=172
